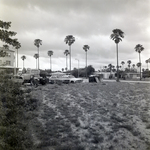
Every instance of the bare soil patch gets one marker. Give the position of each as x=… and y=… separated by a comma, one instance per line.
x=90, y=116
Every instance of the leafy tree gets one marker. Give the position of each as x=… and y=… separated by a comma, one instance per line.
x=36, y=56
x=75, y=72
x=23, y=58
x=86, y=48
x=6, y=37
x=117, y=36
x=37, y=43
x=69, y=40
x=50, y=53
x=66, y=53
x=139, y=48
x=90, y=70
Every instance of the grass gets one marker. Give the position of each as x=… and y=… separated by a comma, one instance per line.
x=81, y=116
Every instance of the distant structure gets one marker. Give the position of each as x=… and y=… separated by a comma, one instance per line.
x=9, y=59
x=7, y=62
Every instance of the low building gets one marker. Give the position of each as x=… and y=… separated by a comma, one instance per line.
x=105, y=75
x=133, y=75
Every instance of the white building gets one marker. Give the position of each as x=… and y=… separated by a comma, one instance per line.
x=9, y=59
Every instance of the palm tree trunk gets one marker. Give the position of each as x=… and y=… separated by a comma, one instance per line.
x=50, y=63
x=23, y=63
x=38, y=59
x=66, y=63
x=140, y=66
x=36, y=62
x=86, y=64
x=17, y=58
x=117, y=63
x=70, y=56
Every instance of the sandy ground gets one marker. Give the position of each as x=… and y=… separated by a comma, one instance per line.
x=92, y=116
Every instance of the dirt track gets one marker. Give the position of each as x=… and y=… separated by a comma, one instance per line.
x=111, y=116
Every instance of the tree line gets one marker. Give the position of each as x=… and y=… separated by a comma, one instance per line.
x=117, y=36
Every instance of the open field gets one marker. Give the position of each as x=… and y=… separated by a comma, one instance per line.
x=90, y=116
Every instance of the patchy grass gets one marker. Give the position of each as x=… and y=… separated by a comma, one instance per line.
x=95, y=116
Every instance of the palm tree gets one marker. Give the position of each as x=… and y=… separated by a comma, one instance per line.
x=37, y=43
x=36, y=56
x=110, y=67
x=86, y=48
x=69, y=40
x=50, y=53
x=139, y=48
x=147, y=61
x=105, y=68
x=66, y=53
x=117, y=36
x=138, y=64
x=23, y=58
x=129, y=62
x=18, y=45
x=133, y=66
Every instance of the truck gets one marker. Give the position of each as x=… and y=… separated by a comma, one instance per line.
x=34, y=75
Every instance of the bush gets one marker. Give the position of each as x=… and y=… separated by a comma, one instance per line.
x=14, y=133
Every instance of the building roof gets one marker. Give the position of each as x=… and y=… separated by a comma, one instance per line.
x=8, y=67
x=2, y=48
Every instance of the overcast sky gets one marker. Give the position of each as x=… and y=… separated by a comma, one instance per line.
x=91, y=23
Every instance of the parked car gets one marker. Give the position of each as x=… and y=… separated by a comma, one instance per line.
x=64, y=79
x=52, y=79
x=72, y=79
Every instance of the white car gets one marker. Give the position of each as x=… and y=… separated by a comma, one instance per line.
x=72, y=79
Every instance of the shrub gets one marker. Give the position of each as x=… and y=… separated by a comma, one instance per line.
x=13, y=129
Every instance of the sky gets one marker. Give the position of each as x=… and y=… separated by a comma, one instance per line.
x=91, y=23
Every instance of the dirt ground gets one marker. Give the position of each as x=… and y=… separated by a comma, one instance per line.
x=92, y=116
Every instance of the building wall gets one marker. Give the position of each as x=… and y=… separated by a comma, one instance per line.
x=9, y=59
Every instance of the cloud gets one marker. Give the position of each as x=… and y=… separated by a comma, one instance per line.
x=90, y=22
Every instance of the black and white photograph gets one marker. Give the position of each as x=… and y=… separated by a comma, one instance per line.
x=74, y=74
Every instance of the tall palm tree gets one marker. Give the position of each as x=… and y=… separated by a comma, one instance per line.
x=110, y=67
x=18, y=45
x=133, y=66
x=37, y=43
x=23, y=58
x=66, y=53
x=50, y=53
x=147, y=61
x=117, y=36
x=129, y=62
x=138, y=64
x=69, y=40
x=36, y=56
x=139, y=48
x=86, y=48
